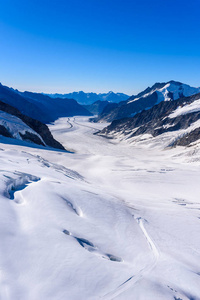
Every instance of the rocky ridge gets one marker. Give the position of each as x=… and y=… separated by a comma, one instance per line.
x=160, y=119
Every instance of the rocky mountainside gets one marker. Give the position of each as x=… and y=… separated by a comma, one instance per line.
x=41, y=107
x=159, y=92
x=14, y=124
x=176, y=121
x=89, y=98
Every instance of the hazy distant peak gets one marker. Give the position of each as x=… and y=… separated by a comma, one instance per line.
x=89, y=98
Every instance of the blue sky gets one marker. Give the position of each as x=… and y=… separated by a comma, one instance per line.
x=98, y=45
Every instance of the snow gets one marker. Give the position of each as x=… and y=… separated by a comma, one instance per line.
x=15, y=125
x=186, y=109
x=112, y=220
x=176, y=89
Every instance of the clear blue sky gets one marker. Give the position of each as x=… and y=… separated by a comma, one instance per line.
x=98, y=45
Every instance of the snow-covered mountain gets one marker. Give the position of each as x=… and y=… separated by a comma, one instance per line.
x=41, y=107
x=176, y=122
x=13, y=124
x=171, y=90
x=89, y=98
x=159, y=92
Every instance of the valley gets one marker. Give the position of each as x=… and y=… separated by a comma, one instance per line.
x=106, y=220
x=100, y=150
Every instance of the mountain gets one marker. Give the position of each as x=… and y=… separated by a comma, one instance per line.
x=14, y=124
x=175, y=122
x=159, y=92
x=97, y=107
x=41, y=107
x=89, y=98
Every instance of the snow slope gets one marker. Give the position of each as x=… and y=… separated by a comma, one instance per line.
x=171, y=91
x=187, y=109
x=16, y=126
x=110, y=221
x=147, y=99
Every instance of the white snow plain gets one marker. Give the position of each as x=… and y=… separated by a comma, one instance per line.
x=110, y=220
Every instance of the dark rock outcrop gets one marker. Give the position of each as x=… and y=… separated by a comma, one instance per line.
x=156, y=121
x=4, y=131
x=189, y=138
x=31, y=137
x=145, y=100
x=36, y=125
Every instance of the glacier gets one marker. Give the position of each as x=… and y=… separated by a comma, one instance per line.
x=106, y=220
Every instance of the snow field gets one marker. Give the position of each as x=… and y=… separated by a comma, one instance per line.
x=109, y=221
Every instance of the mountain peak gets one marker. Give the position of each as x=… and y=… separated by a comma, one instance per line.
x=175, y=82
x=160, y=91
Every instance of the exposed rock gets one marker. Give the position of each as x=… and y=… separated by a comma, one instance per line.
x=30, y=137
x=189, y=138
x=159, y=92
x=156, y=121
x=4, y=131
x=36, y=125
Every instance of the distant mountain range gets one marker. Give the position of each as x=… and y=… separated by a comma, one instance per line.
x=89, y=98
x=41, y=107
x=159, y=92
x=169, y=109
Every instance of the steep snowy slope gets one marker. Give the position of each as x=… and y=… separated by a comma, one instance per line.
x=178, y=121
x=16, y=128
x=14, y=124
x=171, y=90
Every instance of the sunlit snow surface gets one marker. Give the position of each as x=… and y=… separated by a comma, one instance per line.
x=186, y=109
x=15, y=125
x=110, y=221
x=173, y=88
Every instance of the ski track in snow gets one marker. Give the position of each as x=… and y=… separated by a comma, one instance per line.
x=70, y=124
x=129, y=283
